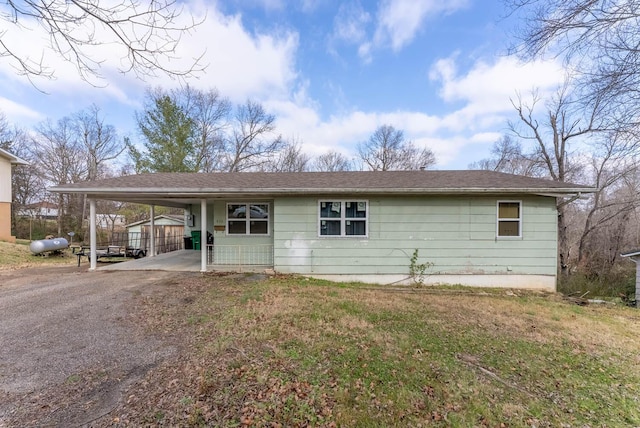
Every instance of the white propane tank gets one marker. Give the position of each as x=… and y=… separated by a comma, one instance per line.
x=43, y=245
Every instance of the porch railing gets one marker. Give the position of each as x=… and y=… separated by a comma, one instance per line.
x=249, y=255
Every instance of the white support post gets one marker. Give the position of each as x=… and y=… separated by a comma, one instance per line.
x=152, y=231
x=93, y=253
x=203, y=235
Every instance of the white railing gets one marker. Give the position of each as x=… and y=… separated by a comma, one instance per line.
x=240, y=255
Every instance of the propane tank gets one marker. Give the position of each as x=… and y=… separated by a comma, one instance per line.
x=43, y=245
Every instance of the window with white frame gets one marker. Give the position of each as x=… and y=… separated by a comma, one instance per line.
x=509, y=219
x=343, y=218
x=247, y=218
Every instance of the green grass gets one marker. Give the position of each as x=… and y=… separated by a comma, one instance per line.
x=299, y=352
x=18, y=255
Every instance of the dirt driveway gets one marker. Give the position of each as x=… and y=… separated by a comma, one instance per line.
x=73, y=332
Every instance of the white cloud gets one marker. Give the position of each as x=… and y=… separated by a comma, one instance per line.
x=487, y=88
x=481, y=96
x=400, y=20
x=492, y=84
x=18, y=113
x=350, y=23
x=241, y=64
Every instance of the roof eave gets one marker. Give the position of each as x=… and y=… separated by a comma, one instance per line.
x=631, y=254
x=182, y=192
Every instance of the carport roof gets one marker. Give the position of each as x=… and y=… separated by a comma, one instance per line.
x=179, y=189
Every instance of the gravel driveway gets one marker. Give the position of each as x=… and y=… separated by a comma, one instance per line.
x=71, y=331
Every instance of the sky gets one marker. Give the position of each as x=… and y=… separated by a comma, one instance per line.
x=330, y=71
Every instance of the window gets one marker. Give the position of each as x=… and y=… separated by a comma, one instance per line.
x=247, y=219
x=509, y=219
x=343, y=218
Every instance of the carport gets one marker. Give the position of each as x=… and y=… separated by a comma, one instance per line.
x=175, y=261
x=145, y=190
x=206, y=200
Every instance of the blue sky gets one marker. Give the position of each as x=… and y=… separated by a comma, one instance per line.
x=331, y=72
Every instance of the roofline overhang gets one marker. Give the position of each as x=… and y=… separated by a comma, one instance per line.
x=632, y=254
x=219, y=192
x=159, y=216
x=13, y=159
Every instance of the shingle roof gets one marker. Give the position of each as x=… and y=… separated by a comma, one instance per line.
x=458, y=181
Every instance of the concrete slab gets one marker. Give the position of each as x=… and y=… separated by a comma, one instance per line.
x=176, y=261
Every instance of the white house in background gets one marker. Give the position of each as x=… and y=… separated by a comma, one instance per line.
x=41, y=210
x=7, y=160
x=110, y=221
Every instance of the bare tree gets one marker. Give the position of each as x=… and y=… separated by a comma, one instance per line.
x=251, y=142
x=332, y=161
x=209, y=112
x=599, y=39
x=614, y=170
x=100, y=141
x=289, y=159
x=61, y=158
x=507, y=156
x=388, y=150
x=552, y=141
x=148, y=32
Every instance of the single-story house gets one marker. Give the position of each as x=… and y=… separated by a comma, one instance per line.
x=481, y=228
x=168, y=229
x=7, y=161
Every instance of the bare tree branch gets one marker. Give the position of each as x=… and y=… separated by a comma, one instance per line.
x=387, y=150
x=148, y=31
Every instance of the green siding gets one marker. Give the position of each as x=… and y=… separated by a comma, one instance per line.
x=457, y=234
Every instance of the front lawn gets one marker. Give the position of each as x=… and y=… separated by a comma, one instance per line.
x=297, y=352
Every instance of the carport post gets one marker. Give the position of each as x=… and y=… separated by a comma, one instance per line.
x=152, y=231
x=93, y=257
x=203, y=235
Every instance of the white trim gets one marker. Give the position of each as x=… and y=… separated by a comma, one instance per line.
x=519, y=219
x=247, y=219
x=343, y=219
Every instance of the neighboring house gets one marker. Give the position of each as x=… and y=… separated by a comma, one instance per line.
x=481, y=228
x=634, y=256
x=40, y=210
x=110, y=221
x=7, y=160
x=169, y=231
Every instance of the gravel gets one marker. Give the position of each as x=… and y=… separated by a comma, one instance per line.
x=70, y=345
